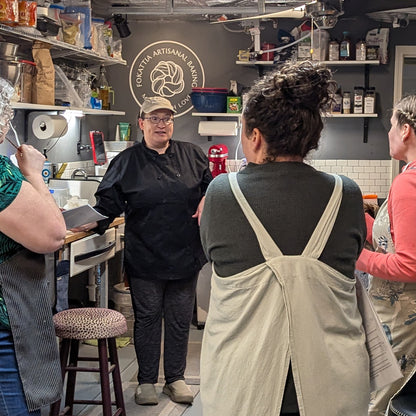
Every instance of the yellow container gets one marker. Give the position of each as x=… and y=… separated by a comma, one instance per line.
x=233, y=104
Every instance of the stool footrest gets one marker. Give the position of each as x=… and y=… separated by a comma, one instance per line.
x=90, y=369
x=91, y=402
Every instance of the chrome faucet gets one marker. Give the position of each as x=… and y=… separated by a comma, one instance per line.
x=79, y=172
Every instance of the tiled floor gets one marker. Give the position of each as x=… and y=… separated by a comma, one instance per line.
x=87, y=385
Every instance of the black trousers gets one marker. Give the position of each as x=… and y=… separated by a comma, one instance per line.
x=172, y=300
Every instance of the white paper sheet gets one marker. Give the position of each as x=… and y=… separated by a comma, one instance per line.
x=384, y=368
x=84, y=214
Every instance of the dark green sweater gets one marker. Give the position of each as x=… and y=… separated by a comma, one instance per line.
x=289, y=199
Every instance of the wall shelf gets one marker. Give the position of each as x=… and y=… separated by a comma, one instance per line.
x=237, y=115
x=338, y=63
x=42, y=107
x=330, y=115
x=58, y=49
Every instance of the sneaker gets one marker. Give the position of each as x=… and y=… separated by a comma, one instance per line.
x=146, y=394
x=179, y=392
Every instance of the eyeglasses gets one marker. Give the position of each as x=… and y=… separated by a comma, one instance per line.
x=156, y=120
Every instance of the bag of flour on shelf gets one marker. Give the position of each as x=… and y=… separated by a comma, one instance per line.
x=379, y=38
x=43, y=90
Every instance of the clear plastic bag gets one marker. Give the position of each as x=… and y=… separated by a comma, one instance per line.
x=64, y=90
x=71, y=28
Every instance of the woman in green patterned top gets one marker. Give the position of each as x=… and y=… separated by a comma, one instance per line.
x=30, y=222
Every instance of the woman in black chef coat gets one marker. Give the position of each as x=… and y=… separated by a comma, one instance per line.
x=160, y=185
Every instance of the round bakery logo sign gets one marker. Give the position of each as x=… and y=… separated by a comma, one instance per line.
x=167, y=69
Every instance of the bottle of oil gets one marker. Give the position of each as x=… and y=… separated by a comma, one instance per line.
x=103, y=89
x=345, y=51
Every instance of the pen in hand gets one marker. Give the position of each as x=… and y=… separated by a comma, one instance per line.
x=12, y=143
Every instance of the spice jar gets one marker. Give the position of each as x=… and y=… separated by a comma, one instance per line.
x=372, y=52
x=358, y=100
x=346, y=102
x=369, y=100
x=333, y=50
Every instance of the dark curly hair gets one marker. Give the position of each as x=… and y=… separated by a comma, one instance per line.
x=286, y=107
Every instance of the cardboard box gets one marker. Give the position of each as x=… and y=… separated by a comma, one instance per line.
x=233, y=104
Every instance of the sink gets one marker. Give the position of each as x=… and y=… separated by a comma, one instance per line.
x=83, y=189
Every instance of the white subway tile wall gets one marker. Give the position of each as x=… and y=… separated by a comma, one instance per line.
x=372, y=176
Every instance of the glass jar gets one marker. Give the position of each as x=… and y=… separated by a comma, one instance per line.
x=26, y=81
x=345, y=52
x=360, y=51
x=346, y=102
x=333, y=50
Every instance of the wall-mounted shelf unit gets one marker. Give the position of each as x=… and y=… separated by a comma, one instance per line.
x=340, y=63
x=261, y=65
x=41, y=107
x=26, y=36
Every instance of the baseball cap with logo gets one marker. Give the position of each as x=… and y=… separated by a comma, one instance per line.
x=156, y=103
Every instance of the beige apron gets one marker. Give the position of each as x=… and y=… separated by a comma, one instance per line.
x=395, y=304
x=288, y=309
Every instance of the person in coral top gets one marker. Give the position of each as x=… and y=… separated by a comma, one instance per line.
x=393, y=263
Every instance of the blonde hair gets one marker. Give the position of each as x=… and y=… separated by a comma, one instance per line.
x=405, y=111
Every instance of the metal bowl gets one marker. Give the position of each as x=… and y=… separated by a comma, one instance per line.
x=10, y=70
x=8, y=50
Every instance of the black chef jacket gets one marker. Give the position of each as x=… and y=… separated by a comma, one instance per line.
x=159, y=193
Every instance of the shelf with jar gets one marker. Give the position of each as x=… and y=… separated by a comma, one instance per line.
x=59, y=49
x=338, y=63
x=83, y=110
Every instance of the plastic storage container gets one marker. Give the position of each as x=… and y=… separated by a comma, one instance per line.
x=320, y=45
x=207, y=100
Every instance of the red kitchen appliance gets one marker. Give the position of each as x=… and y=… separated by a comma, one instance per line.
x=218, y=154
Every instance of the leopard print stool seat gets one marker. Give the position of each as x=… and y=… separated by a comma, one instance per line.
x=89, y=323
x=73, y=325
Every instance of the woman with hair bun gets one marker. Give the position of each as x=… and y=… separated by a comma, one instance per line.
x=284, y=334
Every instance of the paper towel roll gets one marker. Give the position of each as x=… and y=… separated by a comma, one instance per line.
x=47, y=127
x=217, y=128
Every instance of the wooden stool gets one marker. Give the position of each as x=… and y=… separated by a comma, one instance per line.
x=73, y=325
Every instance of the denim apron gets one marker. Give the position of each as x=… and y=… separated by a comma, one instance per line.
x=26, y=293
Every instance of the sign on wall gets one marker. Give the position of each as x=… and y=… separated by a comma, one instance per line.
x=167, y=69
